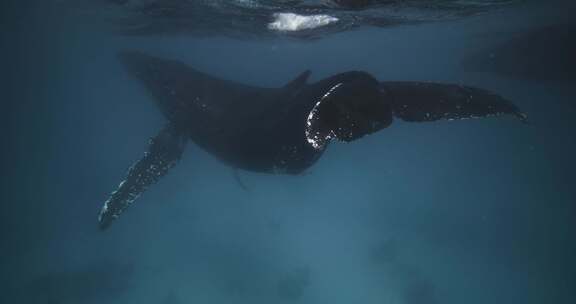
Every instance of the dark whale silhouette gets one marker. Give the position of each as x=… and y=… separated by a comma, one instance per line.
x=539, y=54
x=278, y=130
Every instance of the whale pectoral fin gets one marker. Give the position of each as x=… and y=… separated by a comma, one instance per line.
x=163, y=153
x=422, y=101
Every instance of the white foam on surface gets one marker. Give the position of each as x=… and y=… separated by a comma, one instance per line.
x=290, y=22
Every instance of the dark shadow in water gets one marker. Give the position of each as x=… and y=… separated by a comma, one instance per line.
x=97, y=283
x=414, y=286
x=541, y=54
x=292, y=285
x=172, y=298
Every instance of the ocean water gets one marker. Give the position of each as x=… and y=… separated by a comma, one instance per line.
x=473, y=211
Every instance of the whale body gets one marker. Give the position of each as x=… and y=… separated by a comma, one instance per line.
x=282, y=130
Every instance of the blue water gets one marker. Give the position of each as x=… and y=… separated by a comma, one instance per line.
x=475, y=211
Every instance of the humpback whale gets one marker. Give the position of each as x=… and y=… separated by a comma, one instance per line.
x=281, y=130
